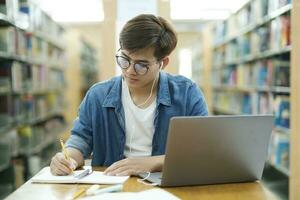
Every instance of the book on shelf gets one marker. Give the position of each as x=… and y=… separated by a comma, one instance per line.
x=259, y=9
x=215, y=78
x=40, y=103
x=285, y=21
x=18, y=109
x=219, y=30
x=279, y=150
x=6, y=152
x=263, y=39
x=265, y=103
x=245, y=76
x=244, y=47
x=17, y=77
x=39, y=49
x=228, y=76
x=21, y=48
x=8, y=41
x=55, y=55
x=20, y=76
x=273, y=35
x=4, y=84
x=35, y=78
x=39, y=21
x=219, y=57
x=56, y=79
x=10, y=9
x=234, y=102
x=22, y=20
x=282, y=111
x=29, y=107
x=254, y=42
x=280, y=32
x=28, y=103
x=27, y=78
x=39, y=78
x=263, y=74
x=244, y=16
x=231, y=24
x=246, y=104
x=35, y=15
x=5, y=81
x=231, y=51
x=282, y=76
x=280, y=70
x=17, y=74
x=274, y=5
x=5, y=109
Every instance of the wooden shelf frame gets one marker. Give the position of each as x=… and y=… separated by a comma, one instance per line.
x=295, y=104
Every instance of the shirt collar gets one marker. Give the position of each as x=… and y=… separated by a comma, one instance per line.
x=163, y=96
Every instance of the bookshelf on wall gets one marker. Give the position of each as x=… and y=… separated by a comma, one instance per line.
x=31, y=91
x=251, y=69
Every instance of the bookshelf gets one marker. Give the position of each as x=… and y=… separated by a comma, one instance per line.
x=32, y=62
x=201, y=63
x=88, y=66
x=253, y=70
x=82, y=70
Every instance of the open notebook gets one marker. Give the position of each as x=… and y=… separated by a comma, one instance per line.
x=96, y=177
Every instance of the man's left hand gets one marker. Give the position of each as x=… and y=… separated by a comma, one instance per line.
x=135, y=166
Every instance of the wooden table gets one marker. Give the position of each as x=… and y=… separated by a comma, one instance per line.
x=240, y=191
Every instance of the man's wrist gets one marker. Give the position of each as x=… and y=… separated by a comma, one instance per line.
x=158, y=162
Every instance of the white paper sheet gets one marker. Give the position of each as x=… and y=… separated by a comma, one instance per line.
x=96, y=177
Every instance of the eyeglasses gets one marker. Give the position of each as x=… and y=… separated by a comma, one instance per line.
x=140, y=68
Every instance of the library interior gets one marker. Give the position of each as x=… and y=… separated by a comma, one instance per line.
x=241, y=55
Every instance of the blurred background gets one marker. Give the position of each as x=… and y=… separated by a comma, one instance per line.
x=241, y=53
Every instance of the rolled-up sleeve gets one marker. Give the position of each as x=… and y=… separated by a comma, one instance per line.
x=81, y=134
x=196, y=103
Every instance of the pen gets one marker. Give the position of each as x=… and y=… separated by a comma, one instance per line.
x=79, y=193
x=114, y=188
x=65, y=152
x=83, y=174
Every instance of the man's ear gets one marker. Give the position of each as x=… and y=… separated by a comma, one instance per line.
x=165, y=62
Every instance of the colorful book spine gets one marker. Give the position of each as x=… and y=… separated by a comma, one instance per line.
x=282, y=111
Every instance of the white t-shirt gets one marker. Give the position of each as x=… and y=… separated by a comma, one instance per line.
x=139, y=125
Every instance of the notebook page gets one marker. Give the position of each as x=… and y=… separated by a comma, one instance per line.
x=45, y=176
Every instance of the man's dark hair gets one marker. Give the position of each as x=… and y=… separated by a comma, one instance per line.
x=146, y=31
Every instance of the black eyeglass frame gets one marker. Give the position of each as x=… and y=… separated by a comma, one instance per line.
x=146, y=65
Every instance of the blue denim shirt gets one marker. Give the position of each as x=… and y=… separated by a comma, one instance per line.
x=100, y=126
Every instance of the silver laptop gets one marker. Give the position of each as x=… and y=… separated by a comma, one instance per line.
x=214, y=149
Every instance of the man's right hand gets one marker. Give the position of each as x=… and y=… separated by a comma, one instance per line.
x=61, y=166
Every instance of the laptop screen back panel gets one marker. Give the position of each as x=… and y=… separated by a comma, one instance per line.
x=210, y=150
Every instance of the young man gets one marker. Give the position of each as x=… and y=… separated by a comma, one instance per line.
x=123, y=122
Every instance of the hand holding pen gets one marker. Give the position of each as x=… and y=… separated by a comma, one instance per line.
x=66, y=154
x=62, y=163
